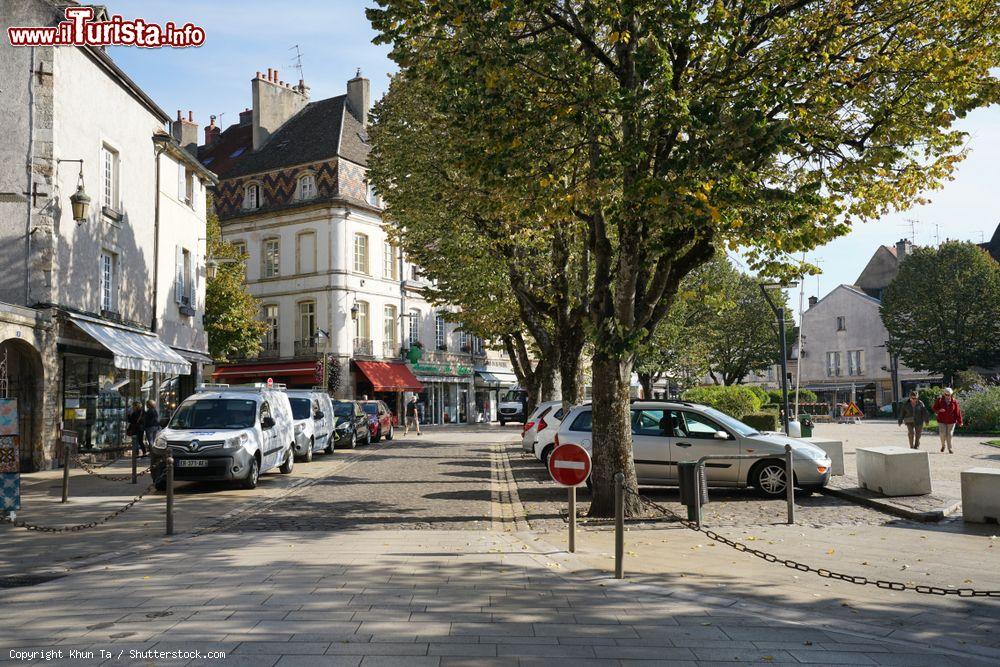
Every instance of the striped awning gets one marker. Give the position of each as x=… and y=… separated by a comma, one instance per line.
x=133, y=349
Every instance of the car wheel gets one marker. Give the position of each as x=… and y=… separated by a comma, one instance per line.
x=329, y=444
x=388, y=436
x=309, y=451
x=354, y=439
x=289, y=463
x=253, y=474
x=768, y=477
x=378, y=434
x=546, y=453
x=368, y=438
x=503, y=422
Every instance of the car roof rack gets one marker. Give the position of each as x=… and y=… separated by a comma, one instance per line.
x=257, y=386
x=211, y=386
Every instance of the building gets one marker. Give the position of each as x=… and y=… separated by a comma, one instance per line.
x=844, y=355
x=993, y=245
x=293, y=196
x=103, y=306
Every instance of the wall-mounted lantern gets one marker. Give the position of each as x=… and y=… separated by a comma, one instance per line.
x=80, y=200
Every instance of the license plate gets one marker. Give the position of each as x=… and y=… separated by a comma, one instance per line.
x=192, y=463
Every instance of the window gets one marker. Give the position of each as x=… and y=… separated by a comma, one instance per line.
x=241, y=248
x=306, y=188
x=372, y=196
x=855, y=362
x=305, y=253
x=583, y=422
x=390, y=265
x=463, y=342
x=691, y=425
x=251, y=197
x=414, y=326
x=841, y=323
x=389, y=326
x=108, y=262
x=270, y=312
x=184, y=278
x=361, y=253
x=361, y=323
x=109, y=184
x=832, y=364
x=650, y=422
x=307, y=322
x=440, y=336
x=185, y=185
x=272, y=258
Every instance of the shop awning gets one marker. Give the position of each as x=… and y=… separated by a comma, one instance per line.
x=298, y=369
x=386, y=376
x=193, y=355
x=133, y=349
x=496, y=376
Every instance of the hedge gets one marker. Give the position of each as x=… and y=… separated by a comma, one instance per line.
x=981, y=410
x=760, y=391
x=805, y=396
x=735, y=401
x=762, y=421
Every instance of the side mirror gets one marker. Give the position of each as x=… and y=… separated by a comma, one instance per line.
x=318, y=415
x=721, y=435
x=267, y=422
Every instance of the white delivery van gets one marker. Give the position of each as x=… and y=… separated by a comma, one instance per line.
x=312, y=415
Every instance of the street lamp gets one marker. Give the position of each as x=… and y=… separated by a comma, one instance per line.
x=779, y=313
x=355, y=309
x=80, y=200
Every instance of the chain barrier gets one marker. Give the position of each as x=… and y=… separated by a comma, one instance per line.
x=83, y=526
x=91, y=470
x=819, y=571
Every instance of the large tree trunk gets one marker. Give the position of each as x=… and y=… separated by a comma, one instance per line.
x=646, y=380
x=612, y=436
x=570, y=344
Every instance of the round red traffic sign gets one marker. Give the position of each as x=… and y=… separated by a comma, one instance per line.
x=270, y=383
x=569, y=465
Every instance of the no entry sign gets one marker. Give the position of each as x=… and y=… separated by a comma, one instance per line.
x=569, y=465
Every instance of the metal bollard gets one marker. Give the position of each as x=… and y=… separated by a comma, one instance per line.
x=619, y=525
x=65, y=487
x=170, y=493
x=790, y=484
x=135, y=460
x=572, y=519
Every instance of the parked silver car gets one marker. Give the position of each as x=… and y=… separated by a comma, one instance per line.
x=664, y=433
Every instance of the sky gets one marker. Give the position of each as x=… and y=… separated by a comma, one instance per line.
x=335, y=39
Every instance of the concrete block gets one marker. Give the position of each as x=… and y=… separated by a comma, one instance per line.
x=981, y=495
x=894, y=471
x=834, y=449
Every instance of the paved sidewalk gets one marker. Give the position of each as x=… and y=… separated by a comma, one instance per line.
x=410, y=598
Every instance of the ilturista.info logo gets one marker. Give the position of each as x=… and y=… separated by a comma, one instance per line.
x=80, y=29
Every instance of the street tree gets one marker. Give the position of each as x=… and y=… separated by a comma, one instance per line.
x=671, y=129
x=942, y=310
x=231, y=313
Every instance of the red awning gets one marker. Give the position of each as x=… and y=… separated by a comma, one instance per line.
x=386, y=376
x=301, y=369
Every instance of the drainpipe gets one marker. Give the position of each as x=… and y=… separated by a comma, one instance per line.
x=158, y=148
x=31, y=180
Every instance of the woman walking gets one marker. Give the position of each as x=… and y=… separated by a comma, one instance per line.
x=412, y=416
x=150, y=422
x=135, y=429
x=949, y=415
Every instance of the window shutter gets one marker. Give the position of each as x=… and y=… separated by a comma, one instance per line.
x=178, y=274
x=193, y=281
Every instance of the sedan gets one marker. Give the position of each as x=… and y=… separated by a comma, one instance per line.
x=352, y=425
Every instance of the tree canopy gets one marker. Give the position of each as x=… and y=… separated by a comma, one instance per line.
x=942, y=310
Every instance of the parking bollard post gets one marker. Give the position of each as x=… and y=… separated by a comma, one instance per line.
x=619, y=525
x=790, y=484
x=572, y=519
x=135, y=461
x=65, y=486
x=170, y=493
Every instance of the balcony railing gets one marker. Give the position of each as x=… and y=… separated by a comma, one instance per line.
x=363, y=347
x=269, y=351
x=390, y=350
x=305, y=348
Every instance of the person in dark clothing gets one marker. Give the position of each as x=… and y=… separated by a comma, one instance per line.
x=914, y=414
x=136, y=428
x=150, y=422
x=412, y=416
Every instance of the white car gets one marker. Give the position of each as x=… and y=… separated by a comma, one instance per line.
x=222, y=433
x=531, y=424
x=312, y=412
x=545, y=433
x=666, y=433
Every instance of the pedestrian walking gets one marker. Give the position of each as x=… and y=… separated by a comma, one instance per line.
x=914, y=414
x=412, y=416
x=949, y=415
x=150, y=422
x=135, y=429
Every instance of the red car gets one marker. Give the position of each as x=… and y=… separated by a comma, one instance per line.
x=379, y=419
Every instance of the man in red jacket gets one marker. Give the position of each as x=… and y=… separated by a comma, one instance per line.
x=948, y=415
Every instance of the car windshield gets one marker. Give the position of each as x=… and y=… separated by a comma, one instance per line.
x=217, y=413
x=301, y=408
x=730, y=423
x=343, y=409
x=370, y=408
x=512, y=396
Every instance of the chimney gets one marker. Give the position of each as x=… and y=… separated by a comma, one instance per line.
x=359, y=97
x=212, y=132
x=813, y=301
x=903, y=248
x=246, y=116
x=273, y=104
x=185, y=131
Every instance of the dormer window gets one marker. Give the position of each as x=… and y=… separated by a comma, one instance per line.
x=306, y=188
x=251, y=197
x=373, y=197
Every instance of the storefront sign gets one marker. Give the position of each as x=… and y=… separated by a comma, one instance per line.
x=456, y=370
x=69, y=437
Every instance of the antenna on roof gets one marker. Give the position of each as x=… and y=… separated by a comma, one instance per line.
x=220, y=117
x=982, y=236
x=297, y=62
x=912, y=224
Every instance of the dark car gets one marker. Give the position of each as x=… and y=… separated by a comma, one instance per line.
x=379, y=419
x=352, y=425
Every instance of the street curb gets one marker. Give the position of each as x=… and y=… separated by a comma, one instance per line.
x=889, y=507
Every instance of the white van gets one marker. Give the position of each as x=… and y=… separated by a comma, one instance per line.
x=223, y=433
x=312, y=419
x=511, y=408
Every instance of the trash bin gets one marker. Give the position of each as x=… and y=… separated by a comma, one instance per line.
x=794, y=429
x=807, y=426
x=689, y=472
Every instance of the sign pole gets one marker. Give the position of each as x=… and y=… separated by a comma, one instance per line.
x=572, y=519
